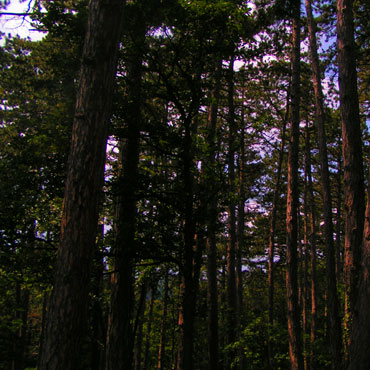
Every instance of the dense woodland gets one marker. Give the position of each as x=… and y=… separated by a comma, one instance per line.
x=183, y=186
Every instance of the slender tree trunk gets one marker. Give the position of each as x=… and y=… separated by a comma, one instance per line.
x=98, y=330
x=313, y=291
x=353, y=175
x=20, y=345
x=305, y=325
x=188, y=285
x=138, y=329
x=162, y=341
x=338, y=226
x=271, y=279
x=294, y=326
x=240, y=239
x=67, y=312
x=231, y=245
x=310, y=213
x=149, y=328
x=360, y=339
x=212, y=291
x=335, y=330
x=120, y=339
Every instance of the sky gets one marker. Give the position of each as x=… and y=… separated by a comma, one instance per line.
x=17, y=25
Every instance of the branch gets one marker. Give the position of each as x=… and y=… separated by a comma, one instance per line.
x=16, y=14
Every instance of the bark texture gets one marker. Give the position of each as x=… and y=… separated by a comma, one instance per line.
x=359, y=348
x=120, y=340
x=65, y=326
x=294, y=326
x=353, y=176
x=231, y=246
x=212, y=289
x=272, y=236
x=335, y=329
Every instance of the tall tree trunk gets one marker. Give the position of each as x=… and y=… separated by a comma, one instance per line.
x=231, y=245
x=187, y=285
x=360, y=339
x=294, y=326
x=98, y=330
x=335, y=330
x=240, y=237
x=338, y=226
x=212, y=291
x=162, y=341
x=271, y=279
x=306, y=254
x=149, y=328
x=310, y=213
x=21, y=314
x=120, y=340
x=66, y=321
x=357, y=284
x=138, y=328
x=353, y=175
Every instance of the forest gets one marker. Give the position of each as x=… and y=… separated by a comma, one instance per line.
x=183, y=186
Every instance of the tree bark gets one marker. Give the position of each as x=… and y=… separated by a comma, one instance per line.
x=335, y=329
x=231, y=245
x=149, y=328
x=353, y=175
x=67, y=312
x=360, y=339
x=311, y=235
x=120, y=340
x=162, y=341
x=188, y=284
x=271, y=280
x=212, y=290
x=294, y=326
x=138, y=331
x=240, y=235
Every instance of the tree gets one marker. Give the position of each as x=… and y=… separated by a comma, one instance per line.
x=295, y=347
x=335, y=331
x=65, y=323
x=352, y=156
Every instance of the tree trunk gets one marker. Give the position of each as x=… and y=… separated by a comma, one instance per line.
x=187, y=285
x=360, y=339
x=149, y=328
x=335, y=329
x=138, y=330
x=240, y=238
x=162, y=341
x=294, y=326
x=310, y=215
x=338, y=226
x=352, y=156
x=21, y=314
x=120, y=340
x=98, y=329
x=231, y=245
x=212, y=291
x=66, y=321
x=271, y=280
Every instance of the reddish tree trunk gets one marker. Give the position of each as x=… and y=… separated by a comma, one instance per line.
x=360, y=339
x=353, y=176
x=66, y=321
